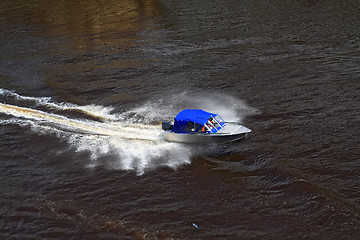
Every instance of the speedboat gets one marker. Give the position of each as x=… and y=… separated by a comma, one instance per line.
x=198, y=126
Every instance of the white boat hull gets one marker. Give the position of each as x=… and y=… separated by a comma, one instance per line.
x=230, y=133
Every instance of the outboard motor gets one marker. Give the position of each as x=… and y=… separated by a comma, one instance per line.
x=166, y=125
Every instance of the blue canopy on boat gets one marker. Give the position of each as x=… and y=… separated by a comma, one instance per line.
x=193, y=115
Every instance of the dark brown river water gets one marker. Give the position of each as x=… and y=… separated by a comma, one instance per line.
x=84, y=86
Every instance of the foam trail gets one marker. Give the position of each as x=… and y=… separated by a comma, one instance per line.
x=126, y=148
x=83, y=126
x=111, y=143
x=99, y=112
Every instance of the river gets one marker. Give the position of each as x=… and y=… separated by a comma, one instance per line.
x=84, y=86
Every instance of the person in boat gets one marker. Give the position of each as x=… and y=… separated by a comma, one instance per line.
x=205, y=127
x=214, y=122
x=208, y=126
x=211, y=123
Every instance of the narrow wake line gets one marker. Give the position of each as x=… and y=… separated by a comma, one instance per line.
x=99, y=112
x=84, y=126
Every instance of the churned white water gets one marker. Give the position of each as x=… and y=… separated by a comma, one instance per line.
x=129, y=140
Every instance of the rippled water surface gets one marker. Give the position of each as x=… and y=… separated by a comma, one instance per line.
x=84, y=86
